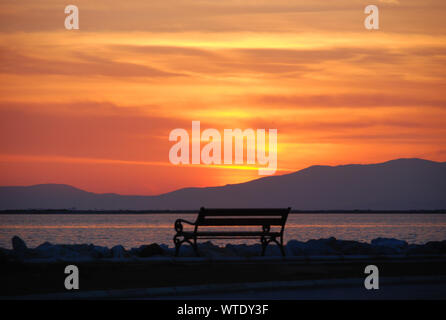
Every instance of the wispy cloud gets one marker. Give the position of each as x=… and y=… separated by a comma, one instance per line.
x=16, y=63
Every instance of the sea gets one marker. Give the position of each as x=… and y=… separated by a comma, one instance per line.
x=133, y=230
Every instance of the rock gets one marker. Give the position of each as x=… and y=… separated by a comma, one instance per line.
x=388, y=246
x=383, y=250
x=58, y=251
x=18, y=245
x=70, y=252
x=348, y=247
x=321, y=247
x=243, y=250
x=5, y=255
x=414, y=249
x=101, y=252
x=390, y=242
x=150, y=250
x=271, y=250
x=47, y=250
x=118, y=252
x=167, y=251
x=85, y=250
x=186, y=250
x=432, y=247
x=209, y=250
x=437, y=247
x=295, y=248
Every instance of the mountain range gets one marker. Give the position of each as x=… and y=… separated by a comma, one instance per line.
x=401, y=184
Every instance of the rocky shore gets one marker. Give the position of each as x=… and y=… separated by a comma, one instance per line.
x=326, y=247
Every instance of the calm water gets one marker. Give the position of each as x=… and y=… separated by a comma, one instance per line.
x=132, y=230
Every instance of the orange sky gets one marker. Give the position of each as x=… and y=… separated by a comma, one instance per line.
x=94, y=107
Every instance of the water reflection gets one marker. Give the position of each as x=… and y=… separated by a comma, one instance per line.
x=132, y=230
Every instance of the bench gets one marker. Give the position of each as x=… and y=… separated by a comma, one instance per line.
x=263, y=218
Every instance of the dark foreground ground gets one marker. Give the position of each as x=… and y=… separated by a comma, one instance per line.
x=387, y=291
x=19, y=278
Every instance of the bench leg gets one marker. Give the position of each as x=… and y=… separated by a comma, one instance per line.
x=266, y=242
x=177, y=245
x=264, y=245
x=179, y=242
x=282, y=250
x=194, y=245
x=281, y=246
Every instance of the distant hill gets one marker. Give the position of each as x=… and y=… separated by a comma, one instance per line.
x=402, y=184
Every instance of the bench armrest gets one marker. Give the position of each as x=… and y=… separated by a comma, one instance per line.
x=179, y=224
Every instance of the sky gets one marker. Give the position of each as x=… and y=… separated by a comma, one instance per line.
x=94, y=107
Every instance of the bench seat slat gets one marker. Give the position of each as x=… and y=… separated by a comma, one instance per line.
x=245, y=212
x=240, y=222
x=230, y=233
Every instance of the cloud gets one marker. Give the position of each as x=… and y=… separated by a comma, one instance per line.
x=390, y=1
x=347, y=101
x=218, y=16
x=13, y=62
x=85, y=129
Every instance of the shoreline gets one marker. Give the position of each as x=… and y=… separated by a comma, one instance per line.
x=69, y=211
x=377, y=247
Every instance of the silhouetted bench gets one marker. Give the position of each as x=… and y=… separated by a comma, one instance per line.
x=263, y=218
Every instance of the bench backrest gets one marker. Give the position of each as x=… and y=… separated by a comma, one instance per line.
x=242, y=217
